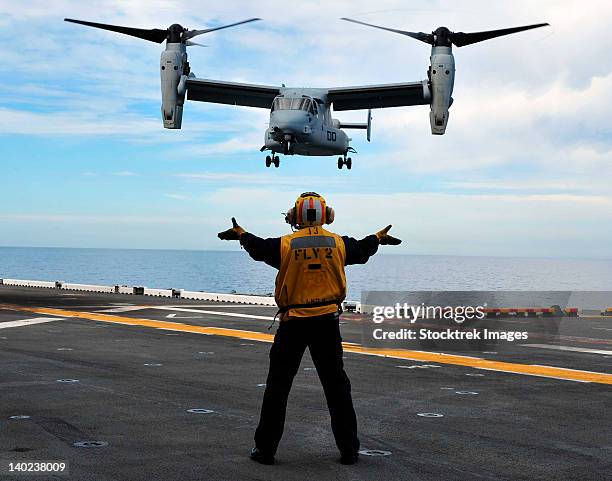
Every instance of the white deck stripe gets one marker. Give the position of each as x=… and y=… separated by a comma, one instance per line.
x=569, y=348
x=215, y=313
x=190, y=306
x=121, y=309
x=29, y=322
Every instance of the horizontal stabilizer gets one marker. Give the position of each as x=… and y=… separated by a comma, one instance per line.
x=366, y=126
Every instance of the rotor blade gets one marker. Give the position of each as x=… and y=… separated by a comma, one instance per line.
x=423, y=37
x=192, y=33
x=460, y=38
x=191, y=43
x=153, y=35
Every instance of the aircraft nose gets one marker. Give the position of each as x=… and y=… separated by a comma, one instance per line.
x=289, y=121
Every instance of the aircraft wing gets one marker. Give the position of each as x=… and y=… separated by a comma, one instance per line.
x=231, y=93
x=379, y=96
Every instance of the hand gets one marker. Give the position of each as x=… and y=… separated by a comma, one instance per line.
x=232, y=234
x=385, y=239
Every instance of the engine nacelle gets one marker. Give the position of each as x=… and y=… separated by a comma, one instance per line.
x=442, y=80
x=172, y=65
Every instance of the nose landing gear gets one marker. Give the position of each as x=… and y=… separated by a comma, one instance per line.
x=288, y=147
x=272, y=160
x=345, y=161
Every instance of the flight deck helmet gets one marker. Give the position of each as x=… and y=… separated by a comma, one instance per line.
x=310, y=210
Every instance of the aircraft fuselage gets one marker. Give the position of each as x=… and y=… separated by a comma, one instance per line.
x=301, y=124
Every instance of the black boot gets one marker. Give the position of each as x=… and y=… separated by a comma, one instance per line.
x=349, y=457
x=262, y=458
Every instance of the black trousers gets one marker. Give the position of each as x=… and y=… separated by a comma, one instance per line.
x=322, y=336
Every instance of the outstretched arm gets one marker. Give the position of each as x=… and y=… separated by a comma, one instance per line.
x=359, y=251
x=265, y=250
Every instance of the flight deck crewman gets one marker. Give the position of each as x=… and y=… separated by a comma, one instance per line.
x=310, y=287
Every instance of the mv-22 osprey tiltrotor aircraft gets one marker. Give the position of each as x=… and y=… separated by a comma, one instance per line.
x=301, y=120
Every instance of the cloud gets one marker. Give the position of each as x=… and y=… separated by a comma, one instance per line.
x=73, y=123
x=235, y=145
x=516, y=185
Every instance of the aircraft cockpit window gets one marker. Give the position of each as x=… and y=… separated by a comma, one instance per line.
x=301, y=103
x=281, y=103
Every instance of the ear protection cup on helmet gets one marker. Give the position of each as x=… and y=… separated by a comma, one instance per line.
x=329, y=215
x=290, y=216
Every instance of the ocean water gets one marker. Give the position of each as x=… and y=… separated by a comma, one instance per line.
x=235, y=271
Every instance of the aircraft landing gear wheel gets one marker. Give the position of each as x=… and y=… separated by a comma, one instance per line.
x=276, y=161
x=340, y=163
x=268, y=161
x=349, y=163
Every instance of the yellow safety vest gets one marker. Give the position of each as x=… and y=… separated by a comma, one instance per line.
x=311, y=273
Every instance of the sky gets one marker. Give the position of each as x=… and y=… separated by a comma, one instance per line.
x=525, y=168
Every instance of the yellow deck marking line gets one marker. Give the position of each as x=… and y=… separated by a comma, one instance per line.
x=509, y=367
x=167, y=325
x=466, y=361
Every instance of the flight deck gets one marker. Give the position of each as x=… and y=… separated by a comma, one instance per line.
x=127, y=387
